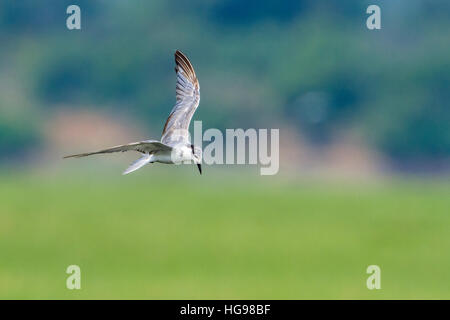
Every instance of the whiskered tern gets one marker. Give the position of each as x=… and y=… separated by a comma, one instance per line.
x=175, y=146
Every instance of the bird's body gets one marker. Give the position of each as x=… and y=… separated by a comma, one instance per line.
x=179, y=154
x=175, y=146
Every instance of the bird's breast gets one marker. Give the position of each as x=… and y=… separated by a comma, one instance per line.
x=164, y=157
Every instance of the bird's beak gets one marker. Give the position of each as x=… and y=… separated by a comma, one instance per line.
x=199, y=166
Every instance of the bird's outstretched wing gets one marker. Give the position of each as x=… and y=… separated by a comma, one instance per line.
x=148, y=146
x=176, y=129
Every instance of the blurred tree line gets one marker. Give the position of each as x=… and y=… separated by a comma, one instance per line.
x=310, y=64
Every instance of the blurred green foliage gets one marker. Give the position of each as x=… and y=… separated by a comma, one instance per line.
x=310, y=64
x=16, y=138
x=220, y=238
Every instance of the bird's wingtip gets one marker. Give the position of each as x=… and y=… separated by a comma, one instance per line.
x=73, y=156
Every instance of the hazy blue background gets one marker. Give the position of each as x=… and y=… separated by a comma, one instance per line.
x=310, y=66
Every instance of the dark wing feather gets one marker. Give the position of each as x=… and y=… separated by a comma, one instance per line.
x=176, y=129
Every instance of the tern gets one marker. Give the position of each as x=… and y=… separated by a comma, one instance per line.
x=175, y=146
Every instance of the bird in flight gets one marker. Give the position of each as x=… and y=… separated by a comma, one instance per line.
x=175, y=146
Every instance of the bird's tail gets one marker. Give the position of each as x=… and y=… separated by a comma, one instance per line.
x=139, y=163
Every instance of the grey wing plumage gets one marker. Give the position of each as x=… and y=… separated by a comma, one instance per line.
x=148, y=146
x=176, y=129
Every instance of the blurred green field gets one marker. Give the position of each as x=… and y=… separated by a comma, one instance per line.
x=156, y=235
